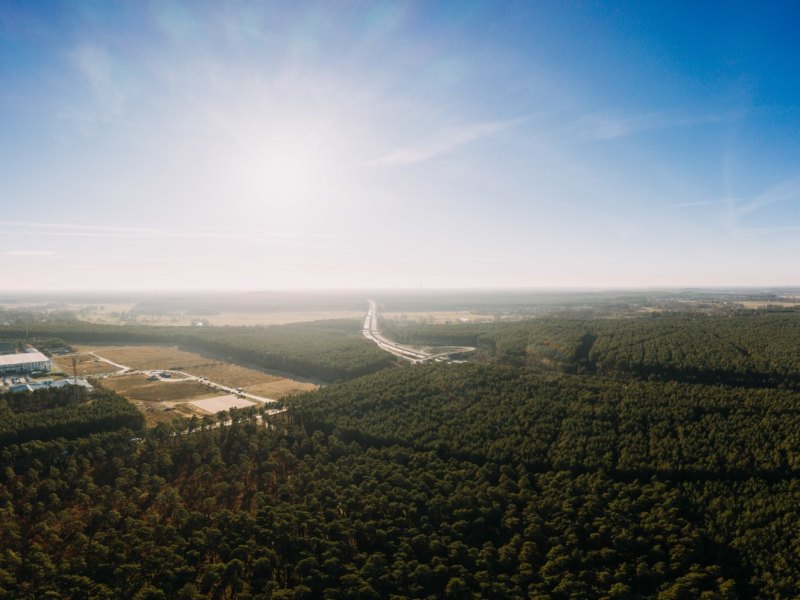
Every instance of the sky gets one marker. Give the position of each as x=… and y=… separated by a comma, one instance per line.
x=303, y=145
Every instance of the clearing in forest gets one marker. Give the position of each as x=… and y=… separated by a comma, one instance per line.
x=220, y=403
x=164, y=399
x=86, y=365
x=232, y=318
x=173, y=358
x=138, y=388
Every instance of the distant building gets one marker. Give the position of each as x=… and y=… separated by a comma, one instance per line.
x=25, y=362
x=57, y=350
x=29, y=387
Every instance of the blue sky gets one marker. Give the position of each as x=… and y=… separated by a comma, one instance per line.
x=274, y=145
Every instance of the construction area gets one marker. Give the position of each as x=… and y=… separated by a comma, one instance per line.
x=167, y=381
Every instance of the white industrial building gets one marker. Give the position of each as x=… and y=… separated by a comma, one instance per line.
x=26, y=362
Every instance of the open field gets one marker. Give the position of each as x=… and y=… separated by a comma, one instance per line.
x=766, y=303
x=137, y=388
x=230, y=375
x=279, y=388
x=219, y=403
x=86, y=365
x=161, y=401
x=149, y=357
x=113, y=317
x=171, y=357
x=438, y=317
x=105, y=313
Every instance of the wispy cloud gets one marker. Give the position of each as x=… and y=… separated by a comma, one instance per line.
x=761, y=231
x=29, y=228
x=780, y=250
x=29, y=253
x=738, y=212
x=691, y=204
x=95, y=66
x=443, y=143
x=783, y=192
x=235, y=135
x=609, y=126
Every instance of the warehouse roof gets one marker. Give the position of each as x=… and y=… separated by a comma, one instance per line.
x=22, y=359
x=29, y=387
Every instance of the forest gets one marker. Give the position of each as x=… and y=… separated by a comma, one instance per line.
x=653, y=457
x=242, y=512
x=67, y=412
x=569, y=422
x=756, y=348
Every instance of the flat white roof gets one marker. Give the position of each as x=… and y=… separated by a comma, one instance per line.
x=22, y=359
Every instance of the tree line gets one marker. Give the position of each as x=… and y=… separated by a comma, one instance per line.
x=67, y=412
x=331, y=350
x=743, y=348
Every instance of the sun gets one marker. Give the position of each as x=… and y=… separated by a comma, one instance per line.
x=283, y=165
x=291, y=172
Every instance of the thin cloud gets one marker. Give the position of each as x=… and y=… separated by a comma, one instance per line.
x=226, y=126
x=759, y=231
x=784, y=192
x=609, y=127
x=111, y=231
x=29, y=253
x=95, y=66
x=691, y=204
x=443, y=143
x=738, y=212
x=780, y=250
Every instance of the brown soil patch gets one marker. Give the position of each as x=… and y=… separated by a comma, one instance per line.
x=86, y=365
x=148, y=357
x=280, y=388
x=136, y=387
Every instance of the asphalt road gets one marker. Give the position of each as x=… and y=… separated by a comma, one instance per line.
x=371, y=331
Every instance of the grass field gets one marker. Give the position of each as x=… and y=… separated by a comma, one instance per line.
x=159, y=401
x=164, y=400
x=111, y=316
x=231, y=375
x=765, y=303
x=279, y=388
x=137, y=388
x=149, y=357
x=86, y=365
x=171, y=357
x=219, y=403
x=438, y=317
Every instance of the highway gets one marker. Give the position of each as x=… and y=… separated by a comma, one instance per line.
x=371, y=331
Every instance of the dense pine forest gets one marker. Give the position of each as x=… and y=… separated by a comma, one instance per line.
x=649, y=457
x=67, y=412
x=742, y=348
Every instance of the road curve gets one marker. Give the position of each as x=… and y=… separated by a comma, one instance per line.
x=371, y=331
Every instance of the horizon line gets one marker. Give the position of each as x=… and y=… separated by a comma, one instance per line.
x=379, y=289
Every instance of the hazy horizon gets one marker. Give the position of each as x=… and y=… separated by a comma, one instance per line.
x=376, y=146
x=96, y=295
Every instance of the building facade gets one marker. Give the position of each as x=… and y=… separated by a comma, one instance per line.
x=25, y=362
